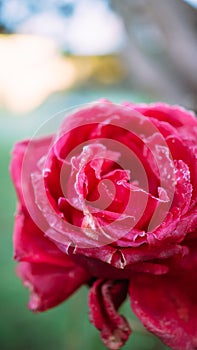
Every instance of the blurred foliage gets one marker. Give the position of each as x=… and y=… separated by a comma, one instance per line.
x=65, y=327
x=106, y=69
x=41, y=69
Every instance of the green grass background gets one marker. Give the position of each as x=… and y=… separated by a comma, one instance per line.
x=65, y=327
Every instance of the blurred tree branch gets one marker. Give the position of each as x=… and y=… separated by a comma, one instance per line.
x=173, y=73
x=176, y=21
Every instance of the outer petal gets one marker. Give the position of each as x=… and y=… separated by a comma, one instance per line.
x=31, y=151
x=25, y=158
x=120, y=263
x=31, y=245
x=167, y=306
x=50, y=285
x=174, y=115
x=104, y=299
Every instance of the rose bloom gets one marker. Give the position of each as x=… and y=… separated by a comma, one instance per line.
x=110, y=201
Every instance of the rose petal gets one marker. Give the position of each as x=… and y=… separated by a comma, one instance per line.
x=104, y=299
x=191, y=219
x=121, y=263
x=30, y=245
x=179, y=151
x=50, y=285
x=25, y=157
x=174, y=115
x=183, y=191
x=167, y=307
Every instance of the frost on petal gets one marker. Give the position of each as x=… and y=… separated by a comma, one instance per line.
x=174, y=115
x=167, y=306
x=183, y=193
x=50, y=285
x=191, y=219
x=31, y=245
x=104, y=299
x=25, y=157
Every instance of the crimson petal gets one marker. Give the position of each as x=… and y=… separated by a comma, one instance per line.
x=104, y=299
x=32, y=246
x=167, y=307
x=25, y=157
x=50, y=285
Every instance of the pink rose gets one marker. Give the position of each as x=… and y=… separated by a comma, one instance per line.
x=110, y=200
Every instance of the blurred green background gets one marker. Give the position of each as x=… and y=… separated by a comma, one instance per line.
x=50, y=60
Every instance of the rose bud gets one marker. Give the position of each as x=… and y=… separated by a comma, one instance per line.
x=110, y=201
